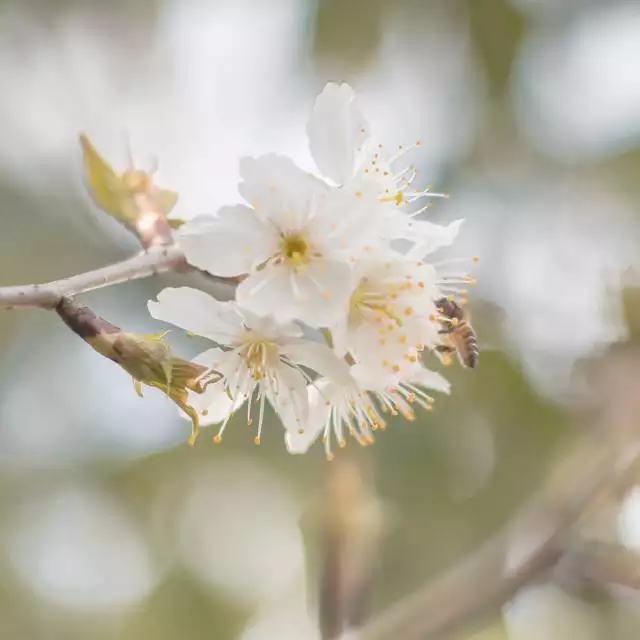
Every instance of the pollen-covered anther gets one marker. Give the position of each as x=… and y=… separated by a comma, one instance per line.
x=330, y=456
x=217, y=438
x=408, y=311
x=395, y=368
x=342, y=443
x=256, y=440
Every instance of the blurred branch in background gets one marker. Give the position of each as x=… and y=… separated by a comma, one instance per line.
x=489, y=579
x=351, y=529
x=598, y=567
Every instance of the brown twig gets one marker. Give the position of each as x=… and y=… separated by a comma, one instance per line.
x=48, y=295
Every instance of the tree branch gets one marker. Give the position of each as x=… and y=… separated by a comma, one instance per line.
x=486, y=580
x=46, y=296
x=599, y=566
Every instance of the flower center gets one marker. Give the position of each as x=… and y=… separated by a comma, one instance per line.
x=367, y=304
x=257, y=355
x=295, y=249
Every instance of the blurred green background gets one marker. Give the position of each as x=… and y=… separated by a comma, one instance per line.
x=529, y=113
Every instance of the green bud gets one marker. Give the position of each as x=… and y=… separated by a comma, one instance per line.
x=147, y=358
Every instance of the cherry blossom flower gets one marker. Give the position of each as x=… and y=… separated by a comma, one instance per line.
x=359, y=407
x=343, y=150
x=257, y=360
x=345, y=254
x=391, y=315
x=296, y=243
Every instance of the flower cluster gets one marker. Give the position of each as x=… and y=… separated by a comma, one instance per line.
x=336, y=302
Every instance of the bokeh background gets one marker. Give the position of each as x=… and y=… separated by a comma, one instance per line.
x=529, y=114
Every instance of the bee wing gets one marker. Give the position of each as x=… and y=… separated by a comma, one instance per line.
x=106, y=187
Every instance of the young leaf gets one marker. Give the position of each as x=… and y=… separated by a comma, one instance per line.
x=124, y=196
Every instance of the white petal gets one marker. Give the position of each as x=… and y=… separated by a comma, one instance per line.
x=344, y=223
x=197, y=312
x=429, y=237
x=268, y=291
x=314, y=295
x=340, y=334
x=372, y=378
x=336, y=130
x=289, y=399
x=322, y=292
x=430, y=380
x=279, y=190
x=267, y=326
x=298, y=438
x=318, y=357
x=230, y=244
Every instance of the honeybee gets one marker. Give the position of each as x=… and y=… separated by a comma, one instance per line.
x=460, y=336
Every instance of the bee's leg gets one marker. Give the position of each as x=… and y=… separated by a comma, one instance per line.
x=447, y=330
x=445, y=348
x=445, y=353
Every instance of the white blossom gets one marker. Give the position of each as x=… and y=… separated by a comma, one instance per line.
x=297, y=242
x=391, y=316
x=256, y=360
x=343, y=149
x=358, y=408
x=347, y=252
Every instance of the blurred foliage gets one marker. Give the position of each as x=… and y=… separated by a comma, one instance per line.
x=347, y=34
